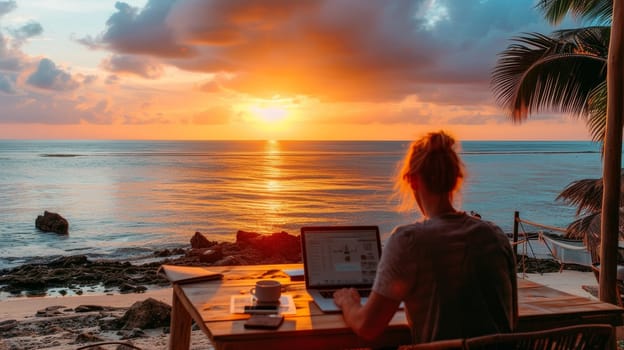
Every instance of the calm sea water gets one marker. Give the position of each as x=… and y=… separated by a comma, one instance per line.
x=124, y=199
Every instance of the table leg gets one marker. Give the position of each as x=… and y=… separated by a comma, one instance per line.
x=181, y=321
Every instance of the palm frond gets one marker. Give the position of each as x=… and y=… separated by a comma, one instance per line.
x=593, y=10
x=597, y=120
x=591, y=40
x=539, y=72
x=588, y=228
x=585, y=194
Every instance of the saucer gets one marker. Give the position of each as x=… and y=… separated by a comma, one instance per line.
x=266, y=303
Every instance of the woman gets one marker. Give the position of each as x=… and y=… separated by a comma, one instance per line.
x=454, y=273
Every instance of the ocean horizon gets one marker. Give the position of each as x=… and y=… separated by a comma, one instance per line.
x=126, y=199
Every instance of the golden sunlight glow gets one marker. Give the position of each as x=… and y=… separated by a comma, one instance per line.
x=271, y=114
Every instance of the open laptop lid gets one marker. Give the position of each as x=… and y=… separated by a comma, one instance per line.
x=340, y=256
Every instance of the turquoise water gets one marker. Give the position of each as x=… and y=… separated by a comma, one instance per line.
x=126, y=198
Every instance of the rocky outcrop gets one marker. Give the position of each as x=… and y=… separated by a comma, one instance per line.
x=147, y=314
x=76, y=273
x=52, y=222
x=279, y=246
x=250, y=248
x=199, y=241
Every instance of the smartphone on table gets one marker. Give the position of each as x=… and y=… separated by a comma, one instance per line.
x=259, y=321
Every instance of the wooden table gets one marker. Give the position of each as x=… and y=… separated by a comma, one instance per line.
x=208, y=303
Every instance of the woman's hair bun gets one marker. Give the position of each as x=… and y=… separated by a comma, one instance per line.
x=439, y=141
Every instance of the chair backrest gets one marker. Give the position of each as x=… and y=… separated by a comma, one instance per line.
x=453, y=344
x=580, y=337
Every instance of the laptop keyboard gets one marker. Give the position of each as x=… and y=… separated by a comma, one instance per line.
x=328, y=294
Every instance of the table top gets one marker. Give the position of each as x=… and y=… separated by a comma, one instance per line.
x=210, y=302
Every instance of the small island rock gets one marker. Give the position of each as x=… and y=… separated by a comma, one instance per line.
x=52, y=222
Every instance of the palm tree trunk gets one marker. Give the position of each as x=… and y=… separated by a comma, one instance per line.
x=612, y=158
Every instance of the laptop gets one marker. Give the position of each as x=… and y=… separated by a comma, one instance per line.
x=336, y=257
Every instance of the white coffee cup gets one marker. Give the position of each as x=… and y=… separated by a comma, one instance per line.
x=267, y=291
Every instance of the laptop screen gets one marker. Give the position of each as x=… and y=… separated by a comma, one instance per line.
x=337, y=256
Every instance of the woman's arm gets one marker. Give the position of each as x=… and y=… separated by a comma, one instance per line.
x=369, y=320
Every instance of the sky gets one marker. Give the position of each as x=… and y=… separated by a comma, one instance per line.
x=270, y=69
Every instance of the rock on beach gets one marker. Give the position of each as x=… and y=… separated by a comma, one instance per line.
x=52, y=222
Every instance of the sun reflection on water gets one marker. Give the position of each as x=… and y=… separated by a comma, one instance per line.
x=272, y=208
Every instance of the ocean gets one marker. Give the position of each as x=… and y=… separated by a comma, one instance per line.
x=125, y=199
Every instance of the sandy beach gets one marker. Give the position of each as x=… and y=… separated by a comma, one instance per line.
x=62, y=331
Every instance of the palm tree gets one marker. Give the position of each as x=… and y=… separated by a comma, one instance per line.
x=564, y=72
x=567, y=72
x=612, y=12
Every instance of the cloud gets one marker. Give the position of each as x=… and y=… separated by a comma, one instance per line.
x=27, y=31
x=379, y=51
x=11, y=59
x=159, y=118
x=49, y=77
x=7, y=84
x=112, y=79
x=141, y=66
x=97, y=113
x=88, y=41
x=7, y=6
x=39, y=108
x=476, y=118
x=89, y=79
x=134, y=31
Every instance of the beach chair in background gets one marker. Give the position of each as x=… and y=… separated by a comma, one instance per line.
x=566, y=251
x=579, y=337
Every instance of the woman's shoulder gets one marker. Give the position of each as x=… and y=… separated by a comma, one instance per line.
x=415, y=227
x=491, y=226
x=407, y=232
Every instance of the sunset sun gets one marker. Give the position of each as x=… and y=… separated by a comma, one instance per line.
x=272, y=114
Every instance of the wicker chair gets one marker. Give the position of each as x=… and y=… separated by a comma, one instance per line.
x=579, y=337
x=118, y=345
x=453, y=344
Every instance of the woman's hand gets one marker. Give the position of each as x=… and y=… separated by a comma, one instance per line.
x=368, y=320
x=345, y=297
